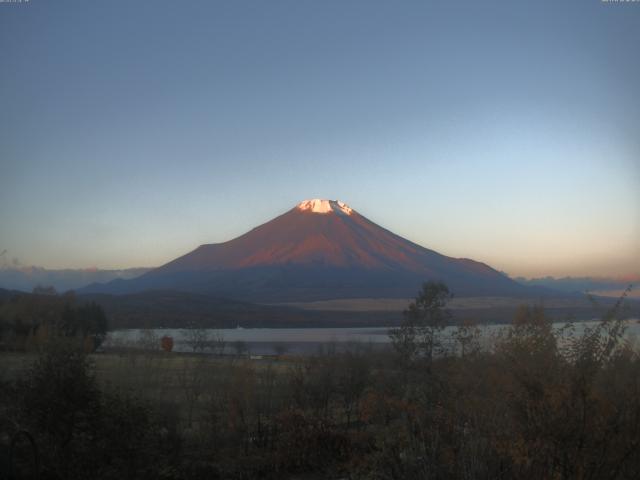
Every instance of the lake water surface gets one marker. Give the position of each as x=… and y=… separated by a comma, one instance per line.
x=268, y=341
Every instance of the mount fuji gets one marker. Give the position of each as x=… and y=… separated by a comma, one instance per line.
x=318, y=250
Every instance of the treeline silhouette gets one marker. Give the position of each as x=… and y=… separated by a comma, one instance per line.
x=539, y=403
x=28, y=322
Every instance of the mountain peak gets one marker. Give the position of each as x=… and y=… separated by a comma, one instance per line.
x=317, y=205
x=318, y=250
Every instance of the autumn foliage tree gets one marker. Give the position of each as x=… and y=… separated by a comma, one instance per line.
x=424, y=320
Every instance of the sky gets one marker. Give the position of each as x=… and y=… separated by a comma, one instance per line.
x=503, y=131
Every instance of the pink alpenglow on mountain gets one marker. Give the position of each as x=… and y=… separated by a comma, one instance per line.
x=320, y=249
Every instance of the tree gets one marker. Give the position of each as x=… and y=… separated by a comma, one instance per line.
x=86, y=321
x=240, y=347
x=42, y=290
x=217, y=342
x=530, y=337
x=148, y=340
x=93, y=322
x=197, y=337
x=353, y=378
x=60, y=401
x=191, y=378
x=280, y=349
x=166, y=343
x=424, y=319
x=467, y=336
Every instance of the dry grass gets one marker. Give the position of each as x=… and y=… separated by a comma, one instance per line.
x=182, y=385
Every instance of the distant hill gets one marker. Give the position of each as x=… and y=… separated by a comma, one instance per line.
x=171, y=309
x=320, y=249
x=181, y=309
x=7, y=294
x=27, y=278
x=596, y=285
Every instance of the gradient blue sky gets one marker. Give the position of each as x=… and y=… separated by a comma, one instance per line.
x=508, y=131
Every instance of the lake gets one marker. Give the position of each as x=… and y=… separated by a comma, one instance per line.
x=302, y=341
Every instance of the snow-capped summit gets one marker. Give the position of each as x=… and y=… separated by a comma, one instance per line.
x=317, y=205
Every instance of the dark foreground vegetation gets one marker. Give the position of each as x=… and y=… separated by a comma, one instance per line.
x=539, y=404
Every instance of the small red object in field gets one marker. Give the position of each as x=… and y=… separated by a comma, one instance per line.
x=166, y=343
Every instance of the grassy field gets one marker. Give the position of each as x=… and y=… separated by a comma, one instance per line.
x=183, y=385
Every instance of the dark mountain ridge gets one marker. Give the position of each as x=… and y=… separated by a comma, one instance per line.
x=26, y=278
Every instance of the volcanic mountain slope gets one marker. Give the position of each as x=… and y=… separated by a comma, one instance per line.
x=320, y=249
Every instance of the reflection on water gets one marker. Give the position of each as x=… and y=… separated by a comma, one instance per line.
x=267, y=341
